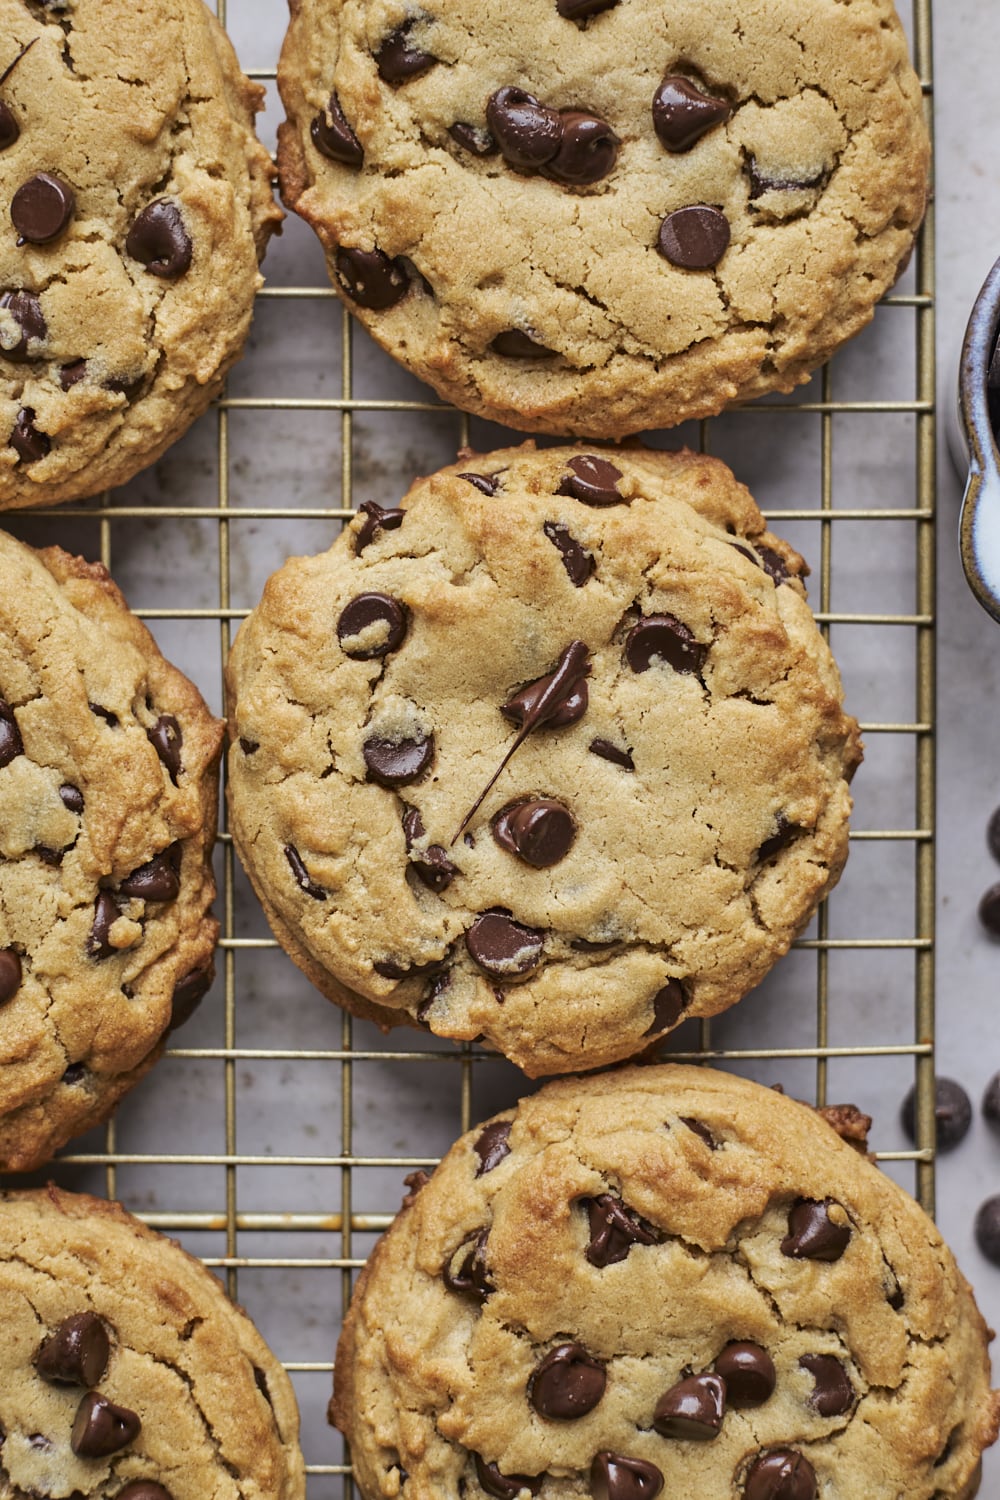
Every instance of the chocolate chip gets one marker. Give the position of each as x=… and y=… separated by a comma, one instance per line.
x=26, y=440
x=989, y=911
x=991, y=1101
x=607, y=751
x=578, y=563
x=472, y=138
x=159, y=240
x=433, y=867
x=783, y=835
x=397, y=61
x=567, y=1383
x=485, y=483
x=492, y=1147
x=502, y=947
x=587, y=152
x=988, y=1229
x=168, y=741
x=579, y=10
x=333, y=137
x=614, y=1229
x=106, y=914
x=774, y=565
x=101, y=1427
x=952, y=1113
x=189, y=993
x=666, y=638
x=371, y=279
x=71, y=375
x=377, y=519
x=694, y=238
x=528, y=133
x=592, y=480
x=781, y=1475
x=833, y=1394
x=514, y=343
x=157, y=880
x=9, y=128
x=76, y=1353
x=413, y=827
x=701, y=1130
x=504, y=1486
x=557, y=699
x=538, y=830
x=386, y=618
x=390, y=969
x=993, y=834
x=302, y=874
x=683, y=113
x=812, y=1234
x=397, y=763
x=41, y=208
x=435, y=992
x=75, y=1073
x=249, y=747
x=10, y=974
x=467, y=1272
x=11, y=744
x=71, y=798
x=748, y=1371
x=668, y=1003
x=614, y=1477
x=105, y=714
x=49, y=856
x=26, y=311
x=762, y=182
x=692, y=1410
x=143, y=1489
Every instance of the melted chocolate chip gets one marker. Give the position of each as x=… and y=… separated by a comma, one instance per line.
x=504, y=1486
x=11, y=744
x=379, y=613
x=371, y=279
x=607, y=751
x=514, y=343
x=189, y=993
x=502, y=947
x=71, y=798
x=467, y=1272
x=748, y=1371
x=614, y=1477
x=812, y=1234
x=397, y=763
x=667, y=638
x=579, y=10
x=105, y=714
x=301, y=874
x=567, y=1383
x=158, y=880
x=668, y=1003
x=592, y=480
x=76, y=1353
x=492, y=1147
x=692, y=1410
x=701, y=1130
x=694, y=238
x=49, y=856
x=413, y=827
x=952, y=1113
x=144, y=1489
x=333, y=137
x=485, y=483
x=774, y=565
x=101, y=1427
x=587, y=151
x=781, y=1475
x=29, y=444
x=389, y=969
x=10, y=974
x=784, y=833
x=71, y=375
x=833, y=1394
x=538, y=830
x=106, y=914
x=472, y=138
x=433, y=867
x=41, y=208
x=26, y=311
x=159, y=240
x=167, y=740
x=579, y=564
x=376, y=520
x=397, y=61
x=683, y=113
x=614, y=1229
x=528, y=133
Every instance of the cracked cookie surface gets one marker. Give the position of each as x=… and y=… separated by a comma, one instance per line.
x=108, y=801
x=662, y=1278
x=127, y=1371
x=137, y=204
x=589, y=218
x=552, y=754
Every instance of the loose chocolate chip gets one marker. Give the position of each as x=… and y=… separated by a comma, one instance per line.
x=701, y=1130
x=587, y=152
x=993, y=834
x=989, y=911
x=614, y=1477
x=26, y=440
x=694, y=238
x=504, y=1486
x=159, y=240
x=26, y=311
x=157, y=880
x=502, y=947
x=579, y=10
x=168, y=741
x=528, y=133
x=692, y=1410
x=683, y=113
x=812, y=1234
x=380, y=614
x=188, y=994
x=668, y=1003
x=579, y=564
x=371, y=279
x=538, y=830
x=607, y=751
x=666, y=638
x=76, y=1353
x=749, y=1373
x=833, y=1394
x=11, y=744
x=71, y=798
x=301, y=874
x=486, y=483
x=514, y=343
x=781, y=1475
x=41, y=208
x=106, y=914
x=101, y=1427
x=557, y=699
x=433, y=867
x=988, y=1229
x=10, y=974
x=468, y=1271
x=398, y=61
x=144, y=1489
x=75, y=1073
x=397, y=763
x=376, y=520
x=492, y=1147
x=774, y=565
x=952, y=1113
x=105, y=714
x=614, y=1229
x=592, y=480
x=472, y=138
x=9, y=128
x=333, y=137
x=567, y=1383
x=784, y=833
x=991, y=1101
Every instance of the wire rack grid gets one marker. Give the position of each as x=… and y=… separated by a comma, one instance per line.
x=219, y=1146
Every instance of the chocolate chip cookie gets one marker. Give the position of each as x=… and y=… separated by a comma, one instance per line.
x=552, y=754
x=108, y=791
x=600, y=216
x=137, y=202
x=663, y=1280
x=127, y=1371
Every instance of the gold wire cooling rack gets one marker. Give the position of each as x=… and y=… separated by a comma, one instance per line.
x=274, y=1136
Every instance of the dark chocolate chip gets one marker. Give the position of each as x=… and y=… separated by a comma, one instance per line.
x=579, y=10
x=749, y=1373
x=567, y=1383
x=557, y=699
x=397, y=763
x=41, y=208
x=988, y=1229
x=991, y=1101
x=433, y=867
x=492, y=1147
x=993, y=834
x=762, y=182
x=774, y=565
x=833, y=1394
x=368, y=611
x=989, y=911
x=189, y=993
x=76, y=1353
x=666, y=638
x=143, y=1489
x=11, y=744
x=701, y=1130
x=301, y=874
x=167, y=740
x=389, y=969
x=538, y=830
x=100, y=1427
x=105, y=714
x=514, y=343
x=668, y=1003
x=9, y=128
x=370, y=278
x=504, y=1486
x=157, y=880
x=26, y=440
x=486, y=483
x=249, y=747
x=473, y=138
x=397, y=61
x=435, y=992
x=106, y=914
x=782, y=1474
x=71, y=798
x=587, y=152
x=71, y=375
x=579, y=564
x=376, y=519
x=952, y=1113
x=614, y=1229
x=413, y=827
x=683, y=113
x=592, y=480
x=614, y=1477
x=692, y=1410
x=502, y=947
x=812, y=1234
x=694, y=238
x=49, y=856
x=466, y=1270
x=10, y=974
x=528, y=133
x=75, y=1073
x=783, y=835
x=607, y=751
x=159, y=240
x=333, y=137
x=26, y=311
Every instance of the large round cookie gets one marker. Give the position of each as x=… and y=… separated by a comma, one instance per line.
x=108, y=791
x=126, y=1370
x=599, y=216
x=136, y=204
x=670, y=808
x=663, y=1278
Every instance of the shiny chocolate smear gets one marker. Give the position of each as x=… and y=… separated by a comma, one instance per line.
x=492, y=1146
x=614, y=1229
x=568, y=1383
